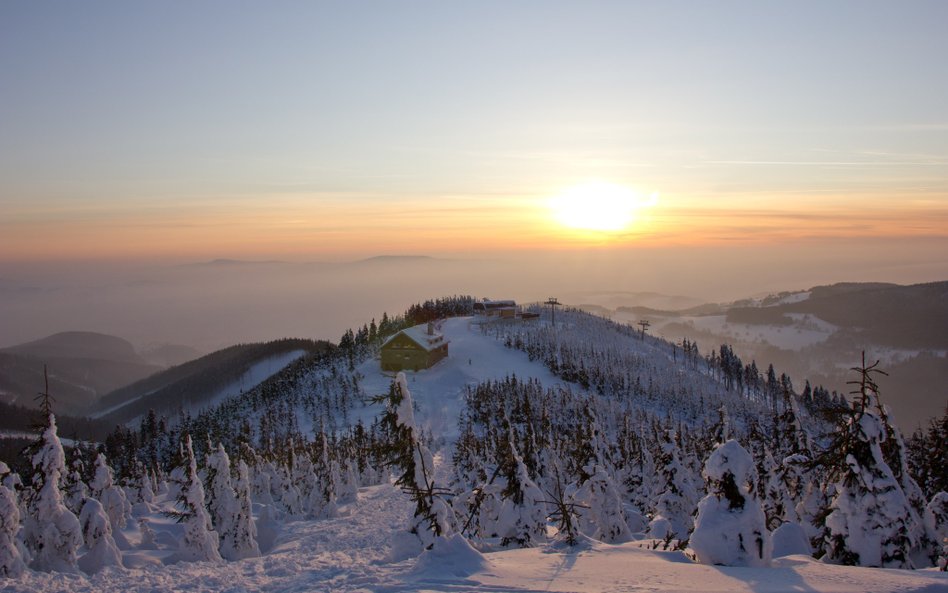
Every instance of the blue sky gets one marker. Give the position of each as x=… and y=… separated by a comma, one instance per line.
x=117, y=114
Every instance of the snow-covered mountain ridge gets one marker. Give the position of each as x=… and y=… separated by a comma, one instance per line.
x=520, y=422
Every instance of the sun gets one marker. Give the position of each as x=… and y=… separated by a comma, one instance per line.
x=597, y=206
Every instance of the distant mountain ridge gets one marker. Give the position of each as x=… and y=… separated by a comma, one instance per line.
x=912, y=316
x=79, y=344
x=81, y=366
x=194, y=383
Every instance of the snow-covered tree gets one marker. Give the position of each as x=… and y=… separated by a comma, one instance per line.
x=675, y=499
x=112, y=497
x=238, y=533
x=432, y=517
x=938, y=515
x=522, y=514
x=200, y=540
x=895, y=454
x=144, y=488
x=148, y=534
x=730, y=526
x=870, y=521
x=327, y=471
x=262, y=481
x=51, y=531
x=75, y=490
x=97, y=533
x=937, y=518
x=220, y=499
x=348, y=488
x=11, y=560
x=778, y=484
x=604, y=518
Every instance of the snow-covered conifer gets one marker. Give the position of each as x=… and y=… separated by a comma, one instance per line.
x=112, y=497
x=870, y=521
x=522, y=515
x=433, y=516
x=11, y=560
x=238, y=533
x=220, y=499
x=200, y=540
x=675, y=499
x=51, y=531
x=604, y=518
x=148, y=534
x=144, y=488
x=730, y=525
x=10, y=479
x=348, y=487
x=895, y=454
x=97, y=534
x=322, y=498
x=262, y=482
x=778, y=503
x=938, y=515
x=75, y=490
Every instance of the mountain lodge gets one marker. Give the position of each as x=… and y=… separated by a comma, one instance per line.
x=413, y=349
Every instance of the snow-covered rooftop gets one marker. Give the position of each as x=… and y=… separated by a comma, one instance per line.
x=419, y=334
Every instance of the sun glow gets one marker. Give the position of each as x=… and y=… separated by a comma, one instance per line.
x=598, y=206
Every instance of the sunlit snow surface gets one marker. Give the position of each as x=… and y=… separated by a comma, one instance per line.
x=352, y=552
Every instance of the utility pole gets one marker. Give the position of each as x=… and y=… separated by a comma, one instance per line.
x=644, y=324
x=553, y=303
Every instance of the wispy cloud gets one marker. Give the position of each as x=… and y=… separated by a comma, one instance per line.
x=876, y=163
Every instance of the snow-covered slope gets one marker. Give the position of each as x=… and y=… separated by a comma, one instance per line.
x=350, y=553
x=353, y=551
x=473, y=357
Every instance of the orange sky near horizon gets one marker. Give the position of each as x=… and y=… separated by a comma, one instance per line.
x=307, y=226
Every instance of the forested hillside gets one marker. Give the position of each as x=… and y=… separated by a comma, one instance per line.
x=564, y=438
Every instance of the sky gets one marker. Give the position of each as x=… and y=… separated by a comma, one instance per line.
x=713, y=149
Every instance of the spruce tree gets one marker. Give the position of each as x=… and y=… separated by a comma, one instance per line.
x=112, y=497
x=870, y=522
x=673, y=505
x=239, y=534
x=432, y=517
x=522, y=516
x=220, y=499
x=200, y=540
x=11, y=559
x=51, y=531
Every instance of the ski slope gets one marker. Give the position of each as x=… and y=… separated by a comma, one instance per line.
x=473, y=357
